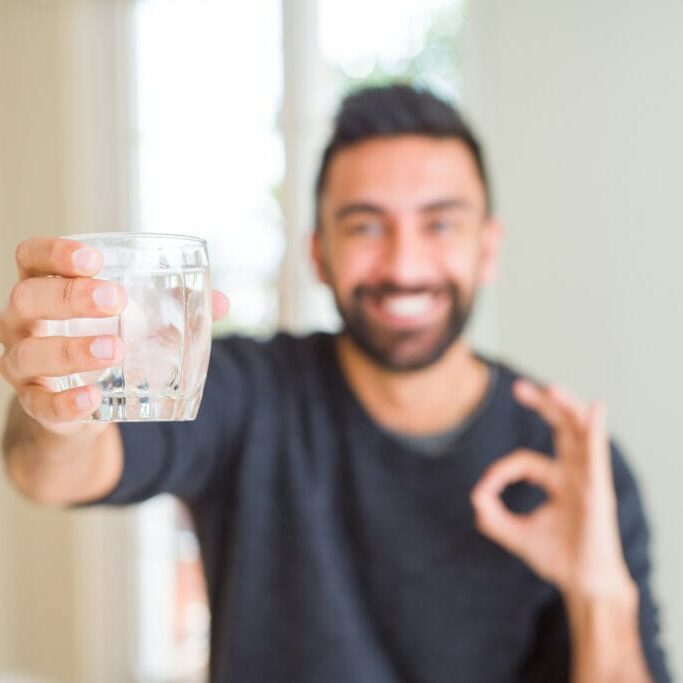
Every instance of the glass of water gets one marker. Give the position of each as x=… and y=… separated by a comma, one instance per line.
x=165, y=327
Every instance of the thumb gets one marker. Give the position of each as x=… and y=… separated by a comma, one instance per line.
x=219, y=305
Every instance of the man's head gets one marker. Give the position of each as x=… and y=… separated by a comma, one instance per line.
x=404, y=233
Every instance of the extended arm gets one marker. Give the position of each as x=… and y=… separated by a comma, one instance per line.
x=61, y=468
x=50, y=455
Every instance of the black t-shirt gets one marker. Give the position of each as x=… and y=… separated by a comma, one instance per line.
x=335, y=553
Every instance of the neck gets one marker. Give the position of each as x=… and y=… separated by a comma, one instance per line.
x=418, y=402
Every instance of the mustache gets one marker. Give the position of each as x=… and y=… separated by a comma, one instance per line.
x=388, y=288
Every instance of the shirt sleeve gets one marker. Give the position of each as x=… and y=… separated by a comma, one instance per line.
x=635, y=538
x=549, y=661
x=186, y=458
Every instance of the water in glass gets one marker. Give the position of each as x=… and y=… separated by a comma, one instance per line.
x=165, y=327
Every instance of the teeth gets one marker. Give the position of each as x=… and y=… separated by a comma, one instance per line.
x=407, y=305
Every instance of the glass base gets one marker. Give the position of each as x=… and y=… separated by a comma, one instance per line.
x=146, y=408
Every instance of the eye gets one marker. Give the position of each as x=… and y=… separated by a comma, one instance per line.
x=442, y=225
x=366, y=229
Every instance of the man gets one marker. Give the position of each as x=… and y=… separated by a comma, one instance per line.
x=381, y=505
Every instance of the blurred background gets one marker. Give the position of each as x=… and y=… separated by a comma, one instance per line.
x=207, y=117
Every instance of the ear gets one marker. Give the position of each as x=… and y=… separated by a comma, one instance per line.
x=490, y=249
x=316, y=251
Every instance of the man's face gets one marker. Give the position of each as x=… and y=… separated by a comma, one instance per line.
x=404, y=241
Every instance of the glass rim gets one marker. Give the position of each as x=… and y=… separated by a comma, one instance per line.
x=137, y=235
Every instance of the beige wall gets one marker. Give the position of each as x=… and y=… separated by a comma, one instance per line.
x=35, y=543
x=581, y=104
x=64, y=168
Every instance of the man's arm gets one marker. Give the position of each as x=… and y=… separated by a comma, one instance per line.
x=55, y=468
x=606, y=643
x=51, y=454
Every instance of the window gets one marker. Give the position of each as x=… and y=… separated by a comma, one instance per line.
x=374, y=42
x=209, y=76
x=210, y=162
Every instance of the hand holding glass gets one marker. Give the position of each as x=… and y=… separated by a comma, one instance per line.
x=165, y=327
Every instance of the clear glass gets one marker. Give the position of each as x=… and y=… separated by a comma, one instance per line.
x=165, y=327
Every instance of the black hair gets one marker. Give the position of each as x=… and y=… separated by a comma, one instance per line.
x=399, y=109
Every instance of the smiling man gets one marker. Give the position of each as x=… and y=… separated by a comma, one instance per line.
x=384, y=504
x=406, y=245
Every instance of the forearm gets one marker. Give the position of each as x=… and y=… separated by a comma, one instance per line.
x=81, y=464
x=606, y=643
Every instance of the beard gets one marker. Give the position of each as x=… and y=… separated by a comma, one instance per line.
x=404, y=350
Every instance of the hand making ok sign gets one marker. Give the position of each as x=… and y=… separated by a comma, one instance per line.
x=572, y=539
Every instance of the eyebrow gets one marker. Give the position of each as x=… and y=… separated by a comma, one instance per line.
x=358, y=207
x=377, y=210
x=444, y=204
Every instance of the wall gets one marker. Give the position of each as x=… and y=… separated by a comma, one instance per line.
x=35, y=543
x=64, y=168
x=580, y=104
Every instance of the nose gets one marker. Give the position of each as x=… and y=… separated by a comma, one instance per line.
x=407, y=258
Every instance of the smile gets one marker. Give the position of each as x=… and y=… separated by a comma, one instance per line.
x=407, y=305
x=407, y=310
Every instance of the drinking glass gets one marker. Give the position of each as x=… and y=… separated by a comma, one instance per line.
x=165, y=327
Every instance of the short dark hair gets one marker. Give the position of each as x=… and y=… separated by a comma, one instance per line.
x=388, y=111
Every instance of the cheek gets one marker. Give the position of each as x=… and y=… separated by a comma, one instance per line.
x=463, y=269
x=459, y=265
x=351, y=266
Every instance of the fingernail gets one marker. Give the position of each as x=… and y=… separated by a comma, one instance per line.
x=106, y=296
x=84, y=400
x=85, y=259
x=102, y=348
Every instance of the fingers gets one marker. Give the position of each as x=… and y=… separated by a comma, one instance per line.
x=520, y=465
x=575, y=411
x=568, y=416
x=492, y=517
x=496, y=522
x=63, y=406
x=556, y=405
x=220, y=304
x=56, y=256
x=548, y=403
x=59, y=298
x=598, y=443
x=597, y=420
x=57, y=356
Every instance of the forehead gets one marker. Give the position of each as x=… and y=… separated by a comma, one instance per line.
x=402, y=172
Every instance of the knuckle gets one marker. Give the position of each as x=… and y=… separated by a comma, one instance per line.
x=60, y=408
x=18, y=296
x=57, y=253
x=20, y=355
x=68, y=353
x=21, y=252
x=69, y=291
x=27, y=402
